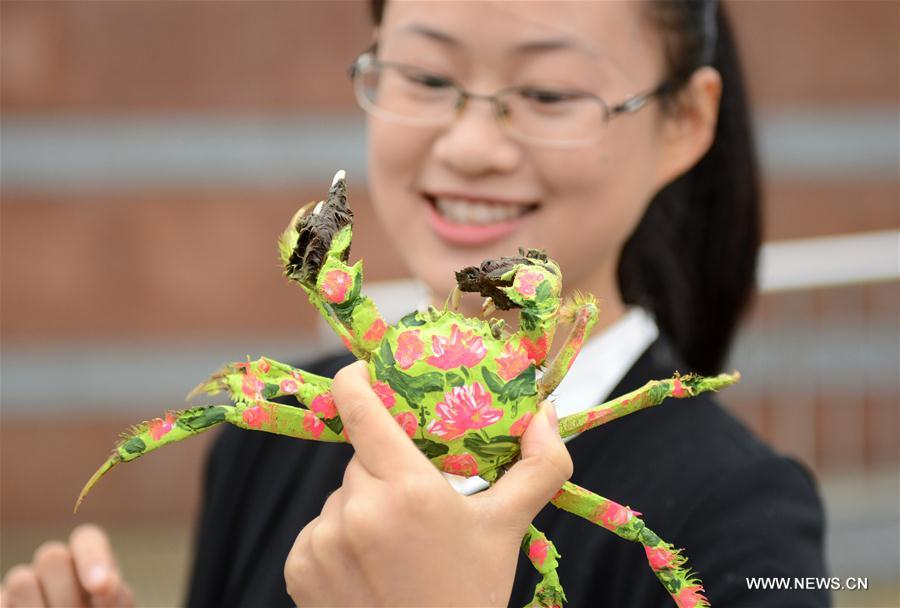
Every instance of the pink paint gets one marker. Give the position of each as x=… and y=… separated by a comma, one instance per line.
x=464, y=408
x=528, y=280
x=409, y=348
x=537, y=351
x=334, y=286
x=613, y=515
x=690, y=596
x=255, y=416
x=312, y=424
x=518, y=427
x=288, y=386
x=263, y=365
x=385, y=393
x=460, y=464
x=512, y=362
x=376, y=331
x=408, y=422
x=677, y=389
x=470, y=235
x=160, y=427
x=537, y=551
x=252, y=387
x=323, y=405
x=462, y=348
x=659, y=557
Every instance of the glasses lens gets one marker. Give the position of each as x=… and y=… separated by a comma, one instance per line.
x=404, y=94
x=559, y=118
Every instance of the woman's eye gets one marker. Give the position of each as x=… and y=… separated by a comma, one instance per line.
x=548, y=96
x=430, y=81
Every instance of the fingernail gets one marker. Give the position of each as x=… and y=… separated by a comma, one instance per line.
x=551, y=415
x=97, y=576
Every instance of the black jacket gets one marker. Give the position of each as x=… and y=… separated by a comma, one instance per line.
x=701, y=479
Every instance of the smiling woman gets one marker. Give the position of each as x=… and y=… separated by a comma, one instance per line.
x=613, y=135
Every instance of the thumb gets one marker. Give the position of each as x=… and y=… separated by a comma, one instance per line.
x=531, y=482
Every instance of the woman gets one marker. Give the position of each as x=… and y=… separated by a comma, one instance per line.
x=613, y=135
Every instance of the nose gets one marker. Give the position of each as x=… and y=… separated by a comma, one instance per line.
x=475, y=143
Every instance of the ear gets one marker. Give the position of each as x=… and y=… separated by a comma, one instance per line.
x=689, y=128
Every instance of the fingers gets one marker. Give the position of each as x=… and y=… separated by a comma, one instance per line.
x=55, y=570
x=22, y=588
x=381, y=445
x=545, y=465
x=94, y=563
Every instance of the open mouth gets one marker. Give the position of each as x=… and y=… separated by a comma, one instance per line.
x=475, y=222
x=458, y=210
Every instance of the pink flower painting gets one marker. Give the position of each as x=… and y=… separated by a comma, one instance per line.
x=252, y=387
x=263, y=365
x=376, y=331
x=512, y=362
x=659, y=557
x=313, y=425
x=408, y=422
x=255, y=416
x=537, y=551
x=528, y=280
x=462, y=348
x=677, y=389
x=537, y=350
x=460, y=464
x=690, y=596
x=464, y=408
x=518, y=427
x=159, y=427
x=385, y=393
x=334, y=286
x=323, y=405
x=409, y=348
x=612, y=515
x=288, y=386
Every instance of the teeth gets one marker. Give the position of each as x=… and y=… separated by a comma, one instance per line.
x=476, y=212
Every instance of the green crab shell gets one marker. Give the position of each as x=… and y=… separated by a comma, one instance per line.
x=463, y=396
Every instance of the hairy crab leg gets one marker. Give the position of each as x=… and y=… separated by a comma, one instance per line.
x=667, y=562
x=250, y=381
x=582, y=312
x=543, y=555
x=175, y=426
x=314, y=250
x=652, y=393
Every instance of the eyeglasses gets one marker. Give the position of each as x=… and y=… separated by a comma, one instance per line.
x=545, y=116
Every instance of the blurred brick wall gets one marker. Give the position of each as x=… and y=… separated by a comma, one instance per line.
x=187, y=261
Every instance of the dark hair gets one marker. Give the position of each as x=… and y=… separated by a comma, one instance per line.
x=692, y=259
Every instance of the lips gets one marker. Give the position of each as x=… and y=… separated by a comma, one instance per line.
x=471, y=220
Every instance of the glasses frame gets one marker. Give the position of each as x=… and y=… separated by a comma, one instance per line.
x=367, y=60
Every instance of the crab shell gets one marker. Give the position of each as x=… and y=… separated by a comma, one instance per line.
x=464, y=396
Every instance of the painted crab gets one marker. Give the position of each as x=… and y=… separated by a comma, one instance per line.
x=463, y=389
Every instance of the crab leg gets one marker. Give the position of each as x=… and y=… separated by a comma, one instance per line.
x=260, y=416
x=544, y=557
x=314, y=250
x=667, y=562
x=581, y=312
x=250, y=381
x=652, y=393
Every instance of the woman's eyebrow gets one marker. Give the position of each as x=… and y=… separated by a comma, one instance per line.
x=528, y=47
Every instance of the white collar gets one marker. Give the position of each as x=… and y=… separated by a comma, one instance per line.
x=602, y=363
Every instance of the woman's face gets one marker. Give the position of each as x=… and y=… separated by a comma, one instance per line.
x=453, y=195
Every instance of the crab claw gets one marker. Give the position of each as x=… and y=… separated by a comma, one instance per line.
x=494, y=277
x=308, y=238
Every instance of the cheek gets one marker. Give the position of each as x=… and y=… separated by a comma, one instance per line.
x=395, y=157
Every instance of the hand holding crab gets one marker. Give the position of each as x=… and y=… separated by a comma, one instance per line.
x=396, y=514
x=463, y=389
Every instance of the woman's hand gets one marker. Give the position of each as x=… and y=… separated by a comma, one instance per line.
x=80, y=573
x=397, y=534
